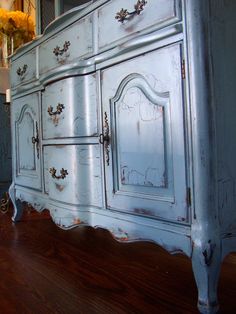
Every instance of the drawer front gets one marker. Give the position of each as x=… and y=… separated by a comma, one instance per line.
x=70, y=44
x=23, y=70
x=72, y=174
x=155, y=12
x=70, y=108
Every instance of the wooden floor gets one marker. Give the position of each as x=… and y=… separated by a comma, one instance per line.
x=44, y=269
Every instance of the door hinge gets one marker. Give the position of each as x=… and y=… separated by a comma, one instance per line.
x=183, y=73
x=189, y=197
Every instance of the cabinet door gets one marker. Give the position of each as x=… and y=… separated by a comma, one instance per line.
x=26, y=140
x=145, y=166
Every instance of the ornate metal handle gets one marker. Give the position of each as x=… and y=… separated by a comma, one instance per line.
x=5, y=202
x=123, y=14
x=35, y=140
x=104, y=138
x=63, y=173
x=60, y=51
x=59, y=109
x=21, y=71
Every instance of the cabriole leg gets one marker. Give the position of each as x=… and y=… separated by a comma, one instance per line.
x=206, y=262
x=17, y=205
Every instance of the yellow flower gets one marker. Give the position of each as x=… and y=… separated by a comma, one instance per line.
x=3, y=19
x=18, y=25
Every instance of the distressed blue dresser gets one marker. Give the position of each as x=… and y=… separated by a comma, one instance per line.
x=123, y=117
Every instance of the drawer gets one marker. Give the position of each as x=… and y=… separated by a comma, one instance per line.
x=156, y=12
x=72, y=174
x=69, y=108
x=73, y=43
x=23, y=69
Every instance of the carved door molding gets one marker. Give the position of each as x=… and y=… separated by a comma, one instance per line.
x=146, y=172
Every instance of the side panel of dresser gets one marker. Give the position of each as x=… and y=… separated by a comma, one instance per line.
x=26, y=141
x=223, y=30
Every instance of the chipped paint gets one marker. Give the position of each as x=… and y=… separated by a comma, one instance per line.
x=138, y=127
x=123, y=239
x=119, y=234
x=59, y=187
x=77, y=221
x=150, y=178
x=55, y=120
x=143, y=211
x=181, y=219
x=208, y=253
x=59, y=145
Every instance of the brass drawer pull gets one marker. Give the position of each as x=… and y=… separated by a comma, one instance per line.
x=123, y=14
x=59, y=110
x=63, y=173
x=104, y=138
x=60, y=51
x=35, y=140
x=21, y=71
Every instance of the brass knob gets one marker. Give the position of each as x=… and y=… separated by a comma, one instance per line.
x=58, y=110
x=21, y=71
x=104, y=138
x=123, y=14
x=35, y=140
x=60, y=51
x=63, y=173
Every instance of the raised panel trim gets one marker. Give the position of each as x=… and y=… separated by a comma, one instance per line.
x=20, y=171
x=161, y=99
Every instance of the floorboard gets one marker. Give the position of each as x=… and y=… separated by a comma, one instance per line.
x=48, y=270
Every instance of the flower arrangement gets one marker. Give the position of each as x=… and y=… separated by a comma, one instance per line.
x=17, y=26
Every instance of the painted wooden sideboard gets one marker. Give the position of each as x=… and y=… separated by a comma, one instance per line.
x=123, y=117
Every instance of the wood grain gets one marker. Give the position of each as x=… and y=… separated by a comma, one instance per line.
x=48, y=270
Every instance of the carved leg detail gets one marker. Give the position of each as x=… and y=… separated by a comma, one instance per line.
x=17, y=205
x=206, y=262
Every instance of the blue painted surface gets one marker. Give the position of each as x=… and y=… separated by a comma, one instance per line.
x=157, y=91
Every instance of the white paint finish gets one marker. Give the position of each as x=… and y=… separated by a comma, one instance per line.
x=78, y=117
x=156, y=12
